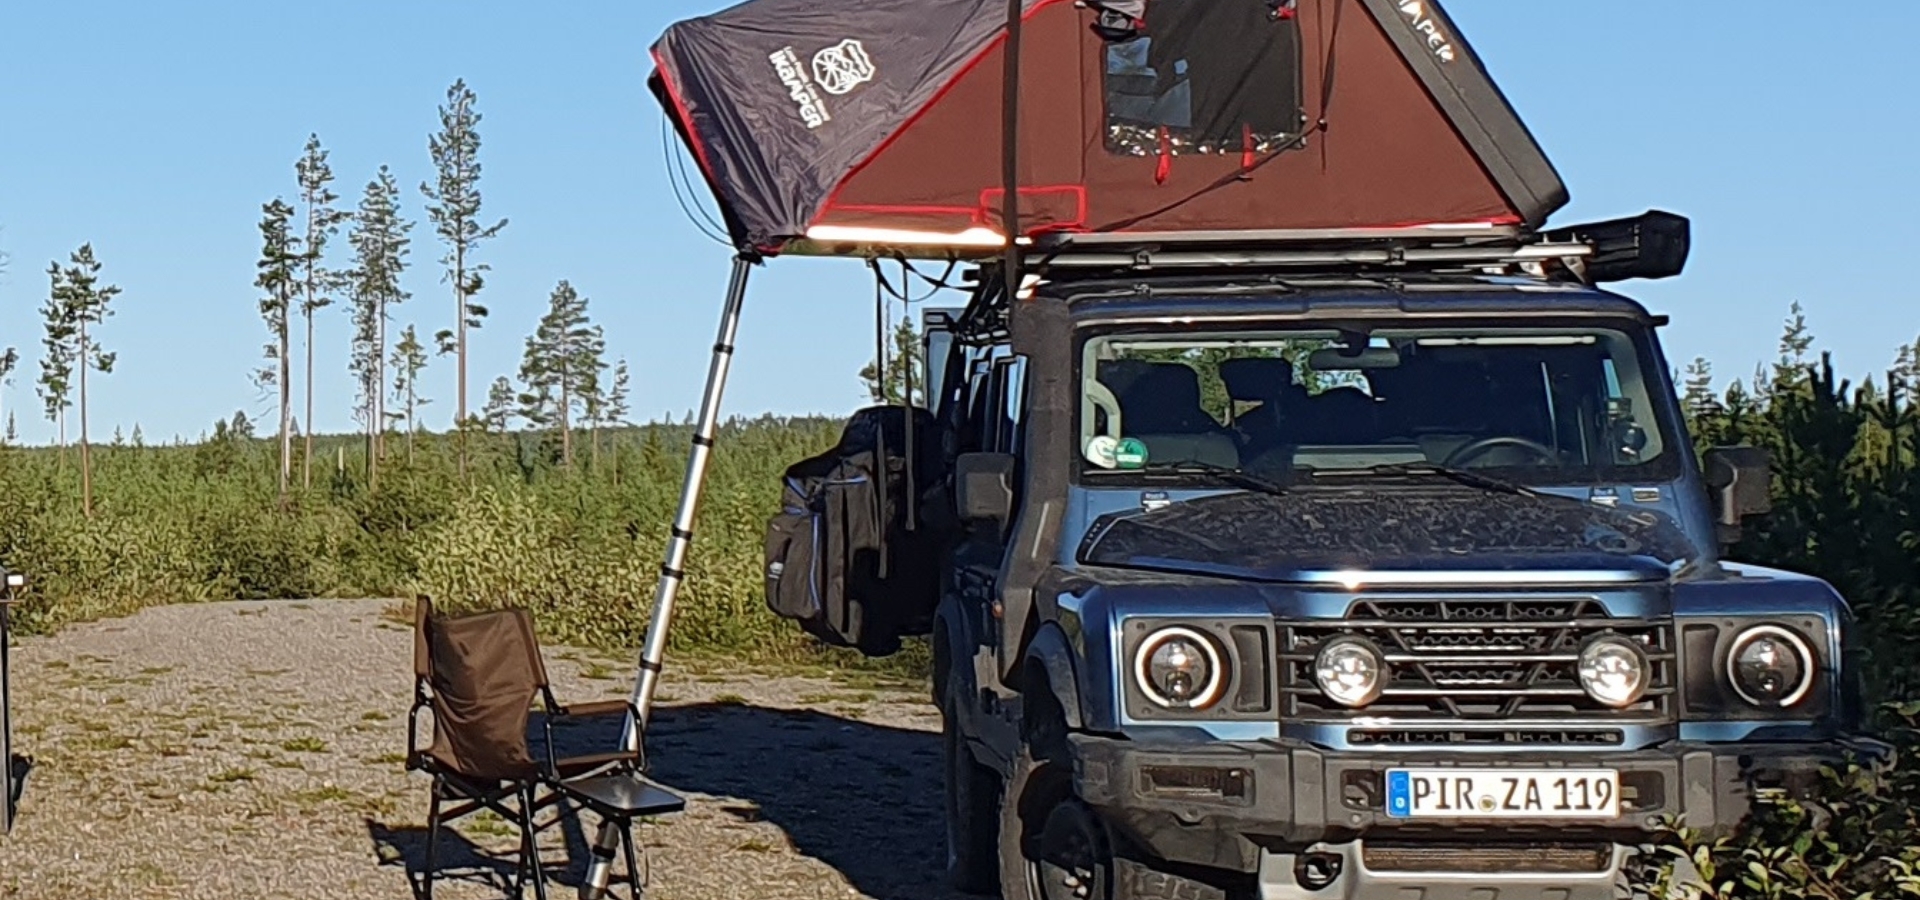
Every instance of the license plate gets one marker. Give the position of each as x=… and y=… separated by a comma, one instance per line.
x=1503, y=793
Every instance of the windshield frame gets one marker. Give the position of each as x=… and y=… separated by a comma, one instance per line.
x=1662, y=417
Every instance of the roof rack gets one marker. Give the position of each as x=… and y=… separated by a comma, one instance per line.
x=1652, y=245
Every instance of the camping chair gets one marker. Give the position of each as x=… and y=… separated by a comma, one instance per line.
x=480, y=675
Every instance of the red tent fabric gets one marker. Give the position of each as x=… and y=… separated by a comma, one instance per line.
x=830, y=126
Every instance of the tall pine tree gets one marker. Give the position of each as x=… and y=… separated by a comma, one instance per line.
x=903, y=359
x=280, y=260
x=455, y=211
x=9, y=361
x=84, y=303
x=380, y=244
x=497, y=415
x=318, y=282
x=613, y=412
x=562, y=365
x=409, y=360
x=56, y=367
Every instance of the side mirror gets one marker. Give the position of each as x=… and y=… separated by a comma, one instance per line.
x=983, y=487
x=1741, y=483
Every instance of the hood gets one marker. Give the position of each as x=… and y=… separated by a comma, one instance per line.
x=1312, y=535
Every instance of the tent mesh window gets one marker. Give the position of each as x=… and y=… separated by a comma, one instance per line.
x=1204, y=76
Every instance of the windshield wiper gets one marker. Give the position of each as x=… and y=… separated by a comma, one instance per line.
x=1239, y=478
x=1467, y=477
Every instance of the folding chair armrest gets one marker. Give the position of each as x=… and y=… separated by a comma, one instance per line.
x=590, y=710
x=598, y=708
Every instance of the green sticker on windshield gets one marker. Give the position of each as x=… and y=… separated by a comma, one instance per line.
x=1131, y=454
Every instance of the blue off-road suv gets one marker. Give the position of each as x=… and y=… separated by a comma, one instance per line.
x=1348, y=571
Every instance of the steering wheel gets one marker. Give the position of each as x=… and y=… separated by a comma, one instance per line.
x=1476, y=448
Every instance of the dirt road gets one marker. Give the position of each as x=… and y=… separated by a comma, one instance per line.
x=255, y=749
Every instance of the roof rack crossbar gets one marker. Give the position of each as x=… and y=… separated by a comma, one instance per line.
x=1407, y=257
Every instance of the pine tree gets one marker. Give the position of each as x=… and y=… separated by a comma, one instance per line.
x=280, y=259
x=903, y=357
x=1702, y=408
x=498, y=413
x=593, y=397
x=56, y=367
x=9, y=361
x=562, y=365
x=618, y=398
x=409, y=360
x=1796, y=339
x=83, y=301
x=616, y=410
x=455, y=211
x=323, y=222
x=380, y=243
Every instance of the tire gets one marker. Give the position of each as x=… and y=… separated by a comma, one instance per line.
x=1046, y=833
x=971, y=794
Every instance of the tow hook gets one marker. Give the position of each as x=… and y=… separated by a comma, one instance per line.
x=1315, y=871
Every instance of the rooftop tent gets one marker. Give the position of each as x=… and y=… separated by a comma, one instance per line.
x=832, y=126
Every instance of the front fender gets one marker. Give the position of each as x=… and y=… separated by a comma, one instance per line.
x=953, y=647
x=1050, y=652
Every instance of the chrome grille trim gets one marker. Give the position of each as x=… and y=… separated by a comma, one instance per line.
x=1477, y=660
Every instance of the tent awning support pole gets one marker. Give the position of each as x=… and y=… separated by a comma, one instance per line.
x=673, y=570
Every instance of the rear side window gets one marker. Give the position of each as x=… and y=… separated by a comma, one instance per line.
x=1208, y=77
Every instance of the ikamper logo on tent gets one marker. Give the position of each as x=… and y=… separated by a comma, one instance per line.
x=842, y=67
x=836, y=70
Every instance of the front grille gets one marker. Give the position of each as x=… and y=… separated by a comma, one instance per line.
x=1479, y=662
x=1536, y=737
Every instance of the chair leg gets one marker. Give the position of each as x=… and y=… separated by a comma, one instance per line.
x=530, y=845
x=433, y=838
x=635, y=889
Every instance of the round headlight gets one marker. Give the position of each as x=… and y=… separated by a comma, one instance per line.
x=1613, y=671
x=1350, y=671
x=1770, y=666
x=1179, y=668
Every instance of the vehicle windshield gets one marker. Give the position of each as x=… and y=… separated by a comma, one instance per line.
x=1531, y=405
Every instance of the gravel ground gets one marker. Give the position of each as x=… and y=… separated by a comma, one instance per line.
x=255, y=749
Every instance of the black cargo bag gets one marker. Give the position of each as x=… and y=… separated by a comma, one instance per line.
x=852, y=555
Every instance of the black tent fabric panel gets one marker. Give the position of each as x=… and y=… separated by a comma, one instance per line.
x=783, y=98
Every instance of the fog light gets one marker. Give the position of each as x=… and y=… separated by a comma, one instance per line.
x=1350, y=671
x=1770, y=666
x=1613, y=671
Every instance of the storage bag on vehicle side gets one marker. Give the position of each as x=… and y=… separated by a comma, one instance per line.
x=852, y=554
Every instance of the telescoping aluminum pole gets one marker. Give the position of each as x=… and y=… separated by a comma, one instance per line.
x=673, y=570
x=10, y=584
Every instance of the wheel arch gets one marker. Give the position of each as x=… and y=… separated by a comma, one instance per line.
x=1049, y=670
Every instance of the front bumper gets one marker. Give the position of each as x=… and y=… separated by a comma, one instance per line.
x=1222, y=805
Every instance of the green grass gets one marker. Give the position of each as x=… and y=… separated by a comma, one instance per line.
x=193, y=522
x=327, y=794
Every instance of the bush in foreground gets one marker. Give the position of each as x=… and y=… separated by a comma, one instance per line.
x=1856, y=836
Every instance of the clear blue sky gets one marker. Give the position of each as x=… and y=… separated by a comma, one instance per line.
x=155, y=131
